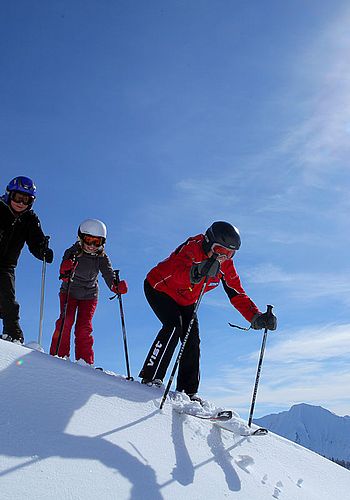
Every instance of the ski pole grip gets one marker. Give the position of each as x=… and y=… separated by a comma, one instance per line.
x=46, y=242
x=269, y=313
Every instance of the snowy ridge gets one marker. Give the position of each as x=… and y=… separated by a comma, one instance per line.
x=314, y=427
x=70, y=432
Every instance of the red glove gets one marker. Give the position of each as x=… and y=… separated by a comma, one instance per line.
x=66, y=268
x=120, y=287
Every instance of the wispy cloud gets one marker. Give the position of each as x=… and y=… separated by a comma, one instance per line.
x=312, y=151
x=319, y=143
x=309, y=365
x=316, y=344
x=303, y=285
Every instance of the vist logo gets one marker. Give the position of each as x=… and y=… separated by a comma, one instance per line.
x=155, y=353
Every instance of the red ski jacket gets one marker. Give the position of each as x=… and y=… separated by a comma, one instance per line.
x=172, y=276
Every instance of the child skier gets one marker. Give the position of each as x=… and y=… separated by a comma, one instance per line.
x=79, y=271
x=18, y=225
x=172, y=288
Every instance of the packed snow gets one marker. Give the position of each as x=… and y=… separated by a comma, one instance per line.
x=72, y=432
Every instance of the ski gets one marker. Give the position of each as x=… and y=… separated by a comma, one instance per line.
x=113, y=374
x=261, y=431
x=220, y=416
x=223, y=416
x=225, y=419
x=242, y=430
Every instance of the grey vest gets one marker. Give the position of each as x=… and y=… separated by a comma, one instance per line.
x=85, y=281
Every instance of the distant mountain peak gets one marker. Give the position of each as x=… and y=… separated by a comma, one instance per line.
x=313, y=427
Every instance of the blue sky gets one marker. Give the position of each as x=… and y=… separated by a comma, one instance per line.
x=161, y=117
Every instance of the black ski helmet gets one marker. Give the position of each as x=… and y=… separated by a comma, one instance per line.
x=222, y=233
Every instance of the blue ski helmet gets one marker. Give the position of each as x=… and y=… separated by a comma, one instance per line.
x=20, y=184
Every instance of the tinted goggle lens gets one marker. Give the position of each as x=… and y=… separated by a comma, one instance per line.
x=223, y=251
x=23, y=198
x=96, y=241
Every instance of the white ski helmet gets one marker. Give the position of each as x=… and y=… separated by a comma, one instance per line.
x=93, y=227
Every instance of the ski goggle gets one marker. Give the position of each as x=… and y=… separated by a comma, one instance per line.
x=96, y=241
x=222, y=251
x=18, y=197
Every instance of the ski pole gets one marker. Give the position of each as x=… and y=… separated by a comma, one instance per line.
x=122, y=318
x=64, y=312
x=262, y=350
x=177, y=361
x=42, y=296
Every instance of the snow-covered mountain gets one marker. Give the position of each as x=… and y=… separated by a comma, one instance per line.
x=314, y=427
x=71, y=432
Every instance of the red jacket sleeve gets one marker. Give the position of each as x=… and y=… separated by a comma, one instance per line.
x=238, y=298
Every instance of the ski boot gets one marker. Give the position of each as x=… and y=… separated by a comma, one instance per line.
x=156, y=382
x=82, y=362
x=9, y=338
x=196, y=399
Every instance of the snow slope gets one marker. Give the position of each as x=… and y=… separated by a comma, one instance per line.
x=70, y=432
x=313, y=427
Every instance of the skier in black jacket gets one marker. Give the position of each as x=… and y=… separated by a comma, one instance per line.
x=18, y=225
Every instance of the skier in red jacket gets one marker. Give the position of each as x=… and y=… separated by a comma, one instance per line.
x=172, y=288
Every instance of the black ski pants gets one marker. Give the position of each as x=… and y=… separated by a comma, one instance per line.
x=9, y=308
x=175, y=320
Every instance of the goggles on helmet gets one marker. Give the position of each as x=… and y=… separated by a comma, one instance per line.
x=222, y=251
x=96, y=241
x=18, y=197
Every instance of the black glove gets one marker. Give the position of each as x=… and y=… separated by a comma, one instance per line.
x=48, y=254
x=208, y=268
x=264, y=320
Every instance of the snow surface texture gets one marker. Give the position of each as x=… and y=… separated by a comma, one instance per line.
x=313, y=427
x=71, y=432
